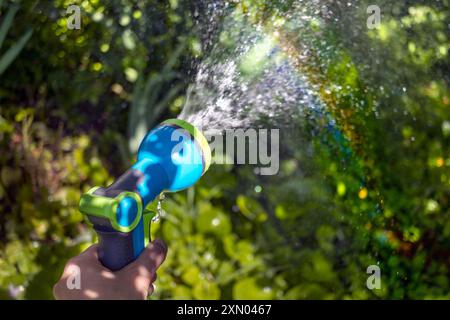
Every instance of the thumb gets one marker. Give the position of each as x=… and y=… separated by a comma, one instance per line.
x=150, y=259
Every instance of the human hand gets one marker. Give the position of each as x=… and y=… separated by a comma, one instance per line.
x=84, y=277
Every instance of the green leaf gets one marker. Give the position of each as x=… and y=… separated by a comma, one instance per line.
x=306, y=291
x=5, y=126
x=211, y=220
x=181, y=292
x=191, y=276
x=251, y=208
x=4, y=28
x=12, y=53
x=251, y=289
x=205, y=290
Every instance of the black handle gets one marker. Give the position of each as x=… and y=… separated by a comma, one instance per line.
x=115, y=249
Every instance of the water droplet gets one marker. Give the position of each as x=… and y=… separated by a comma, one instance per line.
x=159, y=210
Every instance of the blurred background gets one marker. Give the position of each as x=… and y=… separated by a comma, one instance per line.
x=364, y=176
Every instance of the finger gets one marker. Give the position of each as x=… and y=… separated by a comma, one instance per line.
x=143, y=286
x=153, y=256
x=150, y=259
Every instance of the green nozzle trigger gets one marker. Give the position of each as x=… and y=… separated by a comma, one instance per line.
x=105, y=207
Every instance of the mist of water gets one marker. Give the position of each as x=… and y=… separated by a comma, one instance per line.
x=249, y=80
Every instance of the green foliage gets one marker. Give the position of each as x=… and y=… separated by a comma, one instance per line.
x=8, y=56
x=371, y=190
x=145, y=108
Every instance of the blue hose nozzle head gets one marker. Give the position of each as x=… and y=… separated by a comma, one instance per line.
x=180, y=149
x=171, y=157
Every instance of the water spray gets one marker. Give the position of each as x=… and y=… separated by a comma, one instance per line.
x=172, y=157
